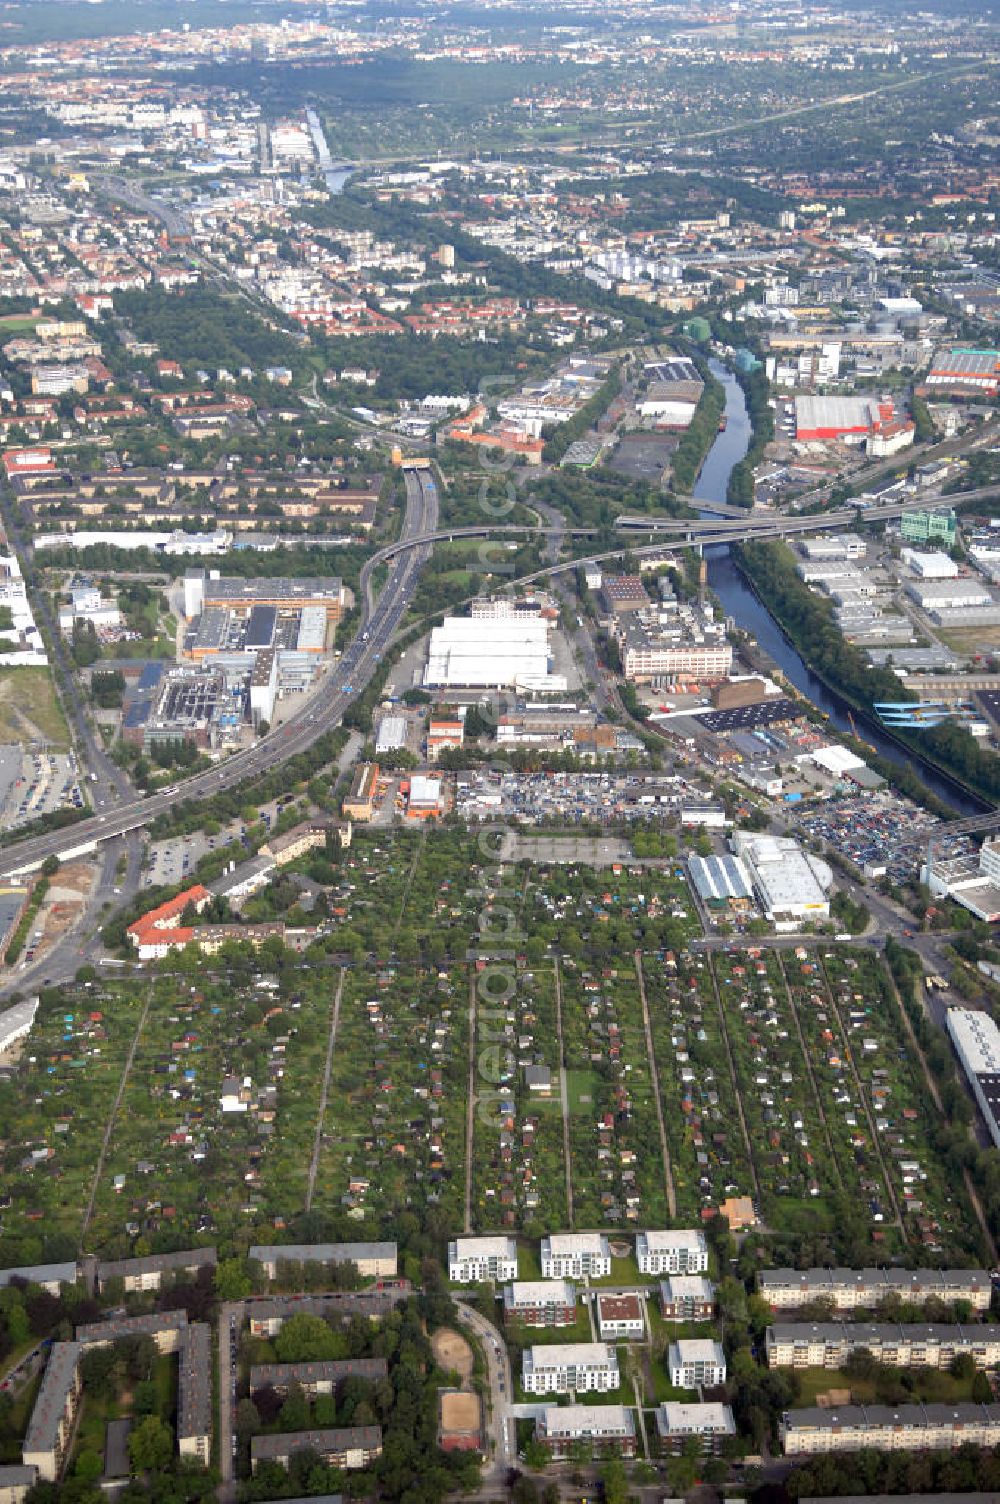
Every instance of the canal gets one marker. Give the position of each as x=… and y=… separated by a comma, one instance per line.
x=748, y=612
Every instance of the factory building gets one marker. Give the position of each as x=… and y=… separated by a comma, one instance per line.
x=791, y=884
x=468, y=652
x=850, y=420
x=944, y=594
x=965, y=372
x=977, y=1044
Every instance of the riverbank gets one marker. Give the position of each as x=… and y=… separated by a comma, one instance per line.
x=752, y=613
x=776, y=591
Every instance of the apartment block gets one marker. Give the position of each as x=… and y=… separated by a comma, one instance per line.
x=576, y=1255
x=696, y=1361
x=586, y=1367
x=620, y=1318
x=607, y=1429
x=315, y=1378
x=194, y=1393
x=708, y=1424
x=827, y=1344
x=148, y=1273
x=687, y=1297
x=372, y=1260
x=861, y=1289
x=473, y=1261
x=677, y=1251
x=349, y=1447
x=540, y=1302
x=910, y=1428
x=54, y=1414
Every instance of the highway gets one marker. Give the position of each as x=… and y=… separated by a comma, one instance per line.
x=357, y=666
x=379, y=622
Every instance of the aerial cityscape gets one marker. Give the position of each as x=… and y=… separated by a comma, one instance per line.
x=499, y=751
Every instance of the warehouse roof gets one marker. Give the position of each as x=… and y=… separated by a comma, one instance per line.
x=978, y=1039
x=719, y=877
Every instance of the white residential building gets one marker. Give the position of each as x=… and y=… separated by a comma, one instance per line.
x=575, y=1255
x=709, y=1424
x=678, y=1250
x=607, y=1428
x=687, y=1297
x=474, y=1261
x=557, y=1368
x=694, y=1362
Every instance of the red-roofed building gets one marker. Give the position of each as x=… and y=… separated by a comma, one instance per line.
x=160, y=931
x=28, y=462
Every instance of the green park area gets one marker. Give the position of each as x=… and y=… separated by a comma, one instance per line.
x=29, y=708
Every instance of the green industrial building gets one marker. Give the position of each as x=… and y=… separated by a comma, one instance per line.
x=929, y=527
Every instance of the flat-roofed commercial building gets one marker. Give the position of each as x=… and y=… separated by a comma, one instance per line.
x=900, y=1428
x=466, y=652
x=687, y=1297
x=576, y=1255
x=647, y=654
x=977, y=1044
x=828, y=1344
x=236, y=594
x=556, y=1368
x=540, y=1302
x=679, y=1250
x=791, y=884
x=678, y=1424
x=372, y=1260
x=473, y=1261
x=860, y=1289
x=349, y=1447
x=607, y=1429
x=54, y=1412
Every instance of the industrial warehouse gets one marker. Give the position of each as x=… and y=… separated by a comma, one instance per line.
x=248, y=645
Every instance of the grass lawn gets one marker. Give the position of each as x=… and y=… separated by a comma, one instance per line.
x=930, y=1386
x=536, y=1336
x=529, y=1261
x=581, y=1089
x=624, y=1271
x=17, y=323
x=29, y=709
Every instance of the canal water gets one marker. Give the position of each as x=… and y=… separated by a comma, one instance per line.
x=739, y=602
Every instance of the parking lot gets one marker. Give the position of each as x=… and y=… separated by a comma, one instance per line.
x=171, y=862
x=33, y=784
x=879, y=831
